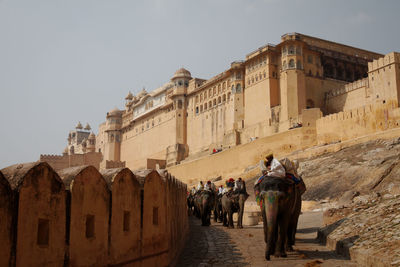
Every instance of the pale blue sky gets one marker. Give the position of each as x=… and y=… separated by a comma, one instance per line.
x=67, y=61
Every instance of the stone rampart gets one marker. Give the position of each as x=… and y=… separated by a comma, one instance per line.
x=81, y=217
x=234, y=161
x=59, y=162
x=357, y=122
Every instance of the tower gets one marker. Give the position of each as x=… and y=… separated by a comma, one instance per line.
x=91, y=143
x=113, y=133
x=180, y=150
x=180, y=82
x=292, y=81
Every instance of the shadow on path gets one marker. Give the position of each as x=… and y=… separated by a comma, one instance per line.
x=209, y=246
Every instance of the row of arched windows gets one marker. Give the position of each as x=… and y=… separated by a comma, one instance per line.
x=257, y=77
x=212, y=103
x=291, y=50
x=261, y=61
x=292, y=64
x=216, y=90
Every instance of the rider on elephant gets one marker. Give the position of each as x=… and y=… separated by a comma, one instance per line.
x=220, y=190
x=193, y=191
x=200, y=186
x=210, y=186
x=240, y=186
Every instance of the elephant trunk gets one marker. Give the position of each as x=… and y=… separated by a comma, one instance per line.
x=271, y=201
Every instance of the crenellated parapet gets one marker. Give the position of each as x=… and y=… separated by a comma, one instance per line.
x=388, y=59
x=81, y=217
x=363, y=83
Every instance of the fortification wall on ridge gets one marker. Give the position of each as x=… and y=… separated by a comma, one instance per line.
x=63, y=228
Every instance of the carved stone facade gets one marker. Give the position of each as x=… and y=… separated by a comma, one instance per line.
x=264, y=94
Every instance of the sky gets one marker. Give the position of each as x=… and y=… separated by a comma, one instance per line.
x=67, y=61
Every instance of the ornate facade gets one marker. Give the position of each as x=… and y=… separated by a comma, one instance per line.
x=264, y=94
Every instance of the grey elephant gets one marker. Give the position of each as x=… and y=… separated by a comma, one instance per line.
x=233, y=202
x=204, y=203
x=280, y=202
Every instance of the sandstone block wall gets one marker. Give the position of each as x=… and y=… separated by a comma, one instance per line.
x=87, y=218
x=357, y=122
x=40, y=214
x=6, y=222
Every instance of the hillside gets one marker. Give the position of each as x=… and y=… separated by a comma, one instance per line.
x=360, y=169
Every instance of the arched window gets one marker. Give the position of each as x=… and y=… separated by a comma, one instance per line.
x=209, y=104
x=229, y=96
x=291, y=50
x=215, y=102
x=291, y=64
x=197, y=110
x=223, y=98
x=284, y=50
x=284, y=65
x=219, y=88
x=238, y=88
x=197, y=99
x=201, y=97
x=224, y=86
x=205, y=106
x=233, y=88
x=214, y=90
x=180, y=104
x=265, y=75
x=219, y=100
x=299, y=66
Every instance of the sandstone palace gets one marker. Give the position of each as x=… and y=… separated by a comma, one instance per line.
x=302, y=82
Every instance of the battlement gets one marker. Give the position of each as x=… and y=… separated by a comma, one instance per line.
x=388, y=59
x=112, y=197
x=347, y=88
x=46, y=157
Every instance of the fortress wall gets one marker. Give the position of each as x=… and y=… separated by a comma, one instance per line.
x=234, y=161
x=257, y=99
x=316, y=88
x=208, y=127
x=59, y=162
x=350, y=96
x=40, y=214
x=124, y=242
x=67, y=222
x=136, y=148
x=357, y=122
x=89, y=215
x=7, y=215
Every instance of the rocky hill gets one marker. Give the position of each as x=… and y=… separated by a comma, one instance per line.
x=361, y=184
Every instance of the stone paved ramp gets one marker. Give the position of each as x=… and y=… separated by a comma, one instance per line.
x=219, y=246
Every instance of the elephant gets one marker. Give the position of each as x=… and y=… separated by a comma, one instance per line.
x=190, y=203
x=280, y=203
x=204, y=204
x=218, y=208
x=231, y=203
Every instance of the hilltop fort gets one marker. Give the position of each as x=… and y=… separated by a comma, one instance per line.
x=299, y=93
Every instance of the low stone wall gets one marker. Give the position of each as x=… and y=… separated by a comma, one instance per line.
x=81, y=217
x=234, y=161
x=358, y=122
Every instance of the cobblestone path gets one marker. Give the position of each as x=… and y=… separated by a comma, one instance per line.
x=219, y=246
